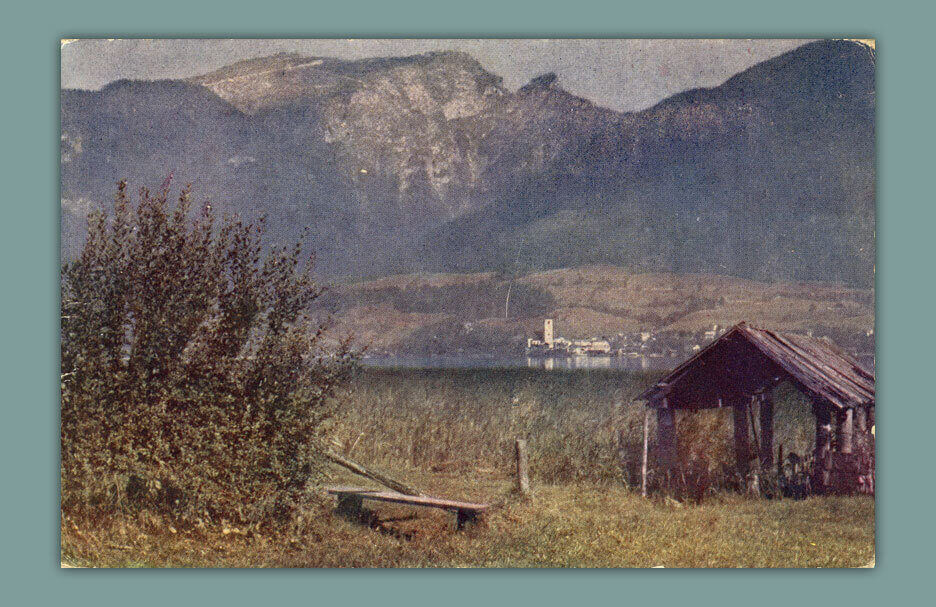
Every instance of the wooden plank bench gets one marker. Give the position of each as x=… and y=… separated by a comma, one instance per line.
x=350, y=502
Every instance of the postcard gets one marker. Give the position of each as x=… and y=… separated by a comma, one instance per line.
x=468, y=303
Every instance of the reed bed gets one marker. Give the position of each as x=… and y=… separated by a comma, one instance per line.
x=580, y=425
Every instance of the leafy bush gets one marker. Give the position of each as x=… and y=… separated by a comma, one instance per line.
x=193, y=383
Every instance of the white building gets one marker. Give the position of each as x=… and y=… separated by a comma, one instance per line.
x=559, y=345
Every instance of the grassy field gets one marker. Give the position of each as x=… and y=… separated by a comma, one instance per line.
x=569, y=525
x=451, y=433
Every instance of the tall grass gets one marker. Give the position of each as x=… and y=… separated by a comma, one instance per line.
x=580, y=425
x=451, y=433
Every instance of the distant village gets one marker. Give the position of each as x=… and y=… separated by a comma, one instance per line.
x=647, y=344
x=642, y=343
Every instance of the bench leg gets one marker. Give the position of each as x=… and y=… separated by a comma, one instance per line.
x=351, y=506
x=463, y=517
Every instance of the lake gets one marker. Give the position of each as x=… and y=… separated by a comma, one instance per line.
x=566, y=363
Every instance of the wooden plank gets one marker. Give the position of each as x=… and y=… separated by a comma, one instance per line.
x=414, y=500
x=816, y=366
x=812, y=366
x=372, y=474
x=336, y=489
x=799, y=369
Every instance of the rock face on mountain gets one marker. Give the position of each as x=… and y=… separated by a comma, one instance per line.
x=429, y=163
x=769, y=176
x=367, y=154
x=399, y=118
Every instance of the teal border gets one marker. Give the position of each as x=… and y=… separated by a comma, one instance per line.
x=30, y=51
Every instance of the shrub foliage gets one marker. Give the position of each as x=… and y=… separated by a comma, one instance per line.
x=193, y=382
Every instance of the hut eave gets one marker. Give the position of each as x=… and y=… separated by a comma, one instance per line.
x=746, y=360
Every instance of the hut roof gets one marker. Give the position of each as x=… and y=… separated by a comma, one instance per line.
x=746, y=359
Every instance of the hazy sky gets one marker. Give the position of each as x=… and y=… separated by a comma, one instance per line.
x=621, y=74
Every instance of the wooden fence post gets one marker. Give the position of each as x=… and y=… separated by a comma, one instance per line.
x=523, y=467
x=646, y=442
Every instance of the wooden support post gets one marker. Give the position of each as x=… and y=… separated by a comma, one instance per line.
x=753, y=484
x=861, y=419
x=862, y=432
x=766, y=432
x=372, y=474
x=741, y=438
x=869, y=437
x=351, y=506
x=666, y=437
x=643, y=464
x=821, y=458
x=463, y=517
x=622, y=457
x=523, y=467
x=780, y=461
x=845, y=430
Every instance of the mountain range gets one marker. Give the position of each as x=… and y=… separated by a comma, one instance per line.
x=429, y=163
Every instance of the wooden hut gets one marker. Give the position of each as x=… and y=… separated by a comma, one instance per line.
x=739, y=369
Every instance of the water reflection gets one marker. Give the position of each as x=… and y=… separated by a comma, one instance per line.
x=551, y=363
x=546, y=363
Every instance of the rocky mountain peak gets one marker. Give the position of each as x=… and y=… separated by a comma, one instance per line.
x=427, y=162
x=543, y=81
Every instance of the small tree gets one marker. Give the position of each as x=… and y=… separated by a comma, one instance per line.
x=193, y=382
